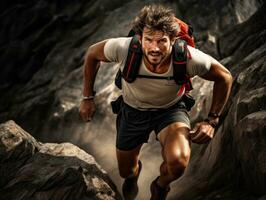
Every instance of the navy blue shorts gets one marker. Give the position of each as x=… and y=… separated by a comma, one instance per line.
x=134, y=126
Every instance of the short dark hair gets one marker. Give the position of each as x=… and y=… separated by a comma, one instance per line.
x=156, y=17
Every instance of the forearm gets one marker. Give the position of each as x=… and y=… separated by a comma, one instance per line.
x=90, y=70
x=204, y=131
x=221, y=92
x=94, y=55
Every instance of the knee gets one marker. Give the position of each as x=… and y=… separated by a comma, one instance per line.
x=177, y=162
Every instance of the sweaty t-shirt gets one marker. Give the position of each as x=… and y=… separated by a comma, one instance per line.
x=146, y=93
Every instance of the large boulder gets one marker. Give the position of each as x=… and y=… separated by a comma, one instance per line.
x=33, y=170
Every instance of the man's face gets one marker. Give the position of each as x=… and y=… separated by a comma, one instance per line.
x=156, y=46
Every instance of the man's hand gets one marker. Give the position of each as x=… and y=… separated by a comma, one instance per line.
x=202, y=133
x=87, y=109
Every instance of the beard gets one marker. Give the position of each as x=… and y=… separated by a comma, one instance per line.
x=154, y=58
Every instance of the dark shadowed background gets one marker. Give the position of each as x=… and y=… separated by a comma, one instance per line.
x=42, y=45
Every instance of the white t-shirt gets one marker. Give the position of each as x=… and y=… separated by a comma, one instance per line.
x=146, y=93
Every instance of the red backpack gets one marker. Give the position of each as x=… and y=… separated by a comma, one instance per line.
x=186, y=32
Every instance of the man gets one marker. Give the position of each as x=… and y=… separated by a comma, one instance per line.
x=153, y=104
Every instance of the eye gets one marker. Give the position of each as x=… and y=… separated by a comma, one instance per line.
x=148, y=39
x=164, y=40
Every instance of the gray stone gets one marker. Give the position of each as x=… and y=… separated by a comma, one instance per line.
x=33, y=170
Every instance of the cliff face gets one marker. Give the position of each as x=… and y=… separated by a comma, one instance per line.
x=235, y=159
x=42, y=46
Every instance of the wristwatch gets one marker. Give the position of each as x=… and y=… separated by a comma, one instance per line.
x=213, y=119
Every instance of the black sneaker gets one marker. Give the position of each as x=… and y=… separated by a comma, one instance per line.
x=157, y=192
x=130, y=187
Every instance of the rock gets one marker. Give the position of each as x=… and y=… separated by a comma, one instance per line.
x=250, y=148
x=42, y=54
x=232, y=165
x=202, y=93
x=33, y=170
x=263, y=198
x=240, y=43
x=250, y=102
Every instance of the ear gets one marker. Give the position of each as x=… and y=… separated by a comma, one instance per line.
x=140, y=38
x=172, y=41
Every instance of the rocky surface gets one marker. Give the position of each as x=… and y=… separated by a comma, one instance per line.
x=42, y=45
x=235, y=159
x=33, y=170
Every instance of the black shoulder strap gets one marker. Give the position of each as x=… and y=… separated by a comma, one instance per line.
x=134, y=56
x=179, y=54
x=133, y=61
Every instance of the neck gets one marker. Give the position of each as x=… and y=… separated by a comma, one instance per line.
x=158, y=68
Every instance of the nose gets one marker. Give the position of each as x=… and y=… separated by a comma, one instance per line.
x=154, y=46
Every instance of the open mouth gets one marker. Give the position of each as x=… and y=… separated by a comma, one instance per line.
x=155, y=54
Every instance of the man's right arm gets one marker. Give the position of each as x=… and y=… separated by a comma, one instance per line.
x=92, y=59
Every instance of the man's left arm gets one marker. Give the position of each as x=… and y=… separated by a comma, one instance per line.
x=204, y=131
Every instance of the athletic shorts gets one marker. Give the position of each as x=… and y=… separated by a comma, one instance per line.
x=134, y=126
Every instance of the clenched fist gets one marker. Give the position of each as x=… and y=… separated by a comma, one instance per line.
x=87, y=109
x=202, y=133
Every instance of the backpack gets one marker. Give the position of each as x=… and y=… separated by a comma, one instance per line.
x=179, y=55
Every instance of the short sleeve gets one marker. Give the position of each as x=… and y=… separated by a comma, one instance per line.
x=198, y=62
x=115, y=49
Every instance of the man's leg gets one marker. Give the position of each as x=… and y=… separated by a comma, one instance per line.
x=128, y=162
x=133, y=130
x=129, y=168
x=175, y=152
